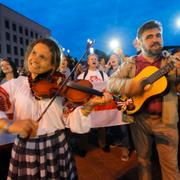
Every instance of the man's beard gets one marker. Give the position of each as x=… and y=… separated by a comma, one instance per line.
x=153, y=52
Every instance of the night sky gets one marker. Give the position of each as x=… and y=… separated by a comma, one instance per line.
x=72, y=22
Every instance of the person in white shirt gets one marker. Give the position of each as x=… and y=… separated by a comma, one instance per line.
x=99, y=80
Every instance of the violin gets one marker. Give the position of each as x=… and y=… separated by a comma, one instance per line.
x=77, y=91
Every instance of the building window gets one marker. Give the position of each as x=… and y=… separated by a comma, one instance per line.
x=6, y=23
x=21, y=40
x=14, y=27
x=8, y=49
x=22, y=51
x=20, y=29
x=14, y=38
x=32, y=34
x=26, y=32
x=15, y=50
x=27, y=42
x=36, y=35
x=8, y=37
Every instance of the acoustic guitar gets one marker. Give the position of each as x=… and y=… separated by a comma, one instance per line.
x=153, y=81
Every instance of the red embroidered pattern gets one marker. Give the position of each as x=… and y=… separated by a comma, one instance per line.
x=4, y=100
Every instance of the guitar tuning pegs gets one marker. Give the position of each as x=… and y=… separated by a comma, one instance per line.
x=166, y=54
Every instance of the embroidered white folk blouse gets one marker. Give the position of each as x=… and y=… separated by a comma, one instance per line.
x=27, y=107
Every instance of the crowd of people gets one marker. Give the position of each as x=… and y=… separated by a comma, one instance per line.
x=42, y=149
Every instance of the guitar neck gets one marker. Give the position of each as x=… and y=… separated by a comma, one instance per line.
x=161, y=72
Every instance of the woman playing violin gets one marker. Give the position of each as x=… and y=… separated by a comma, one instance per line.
x=41, y=150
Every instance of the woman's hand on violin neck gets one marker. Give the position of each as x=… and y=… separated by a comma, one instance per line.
x=25, y=128
x=97, y=100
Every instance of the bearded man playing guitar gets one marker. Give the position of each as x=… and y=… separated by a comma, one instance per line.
x=155, y=117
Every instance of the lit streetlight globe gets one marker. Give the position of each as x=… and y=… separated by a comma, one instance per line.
x=114, y=44
x=178, y=22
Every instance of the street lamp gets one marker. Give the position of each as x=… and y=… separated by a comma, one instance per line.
x=89, y=41
x=178, y=22
x=114, y=44
x=68, y=51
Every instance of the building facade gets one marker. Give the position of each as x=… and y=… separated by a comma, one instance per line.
x=16, y=32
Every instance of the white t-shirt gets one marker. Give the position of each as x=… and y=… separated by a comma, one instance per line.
x=96, y=79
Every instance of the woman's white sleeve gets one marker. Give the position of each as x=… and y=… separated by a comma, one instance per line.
x=77, y=122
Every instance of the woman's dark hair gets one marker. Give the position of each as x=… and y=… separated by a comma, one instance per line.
x=53, y=47
x=13, y=66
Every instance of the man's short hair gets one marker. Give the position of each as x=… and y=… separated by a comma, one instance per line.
x=148, y=25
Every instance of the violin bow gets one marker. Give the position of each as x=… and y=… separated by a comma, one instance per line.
x=90, y=44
